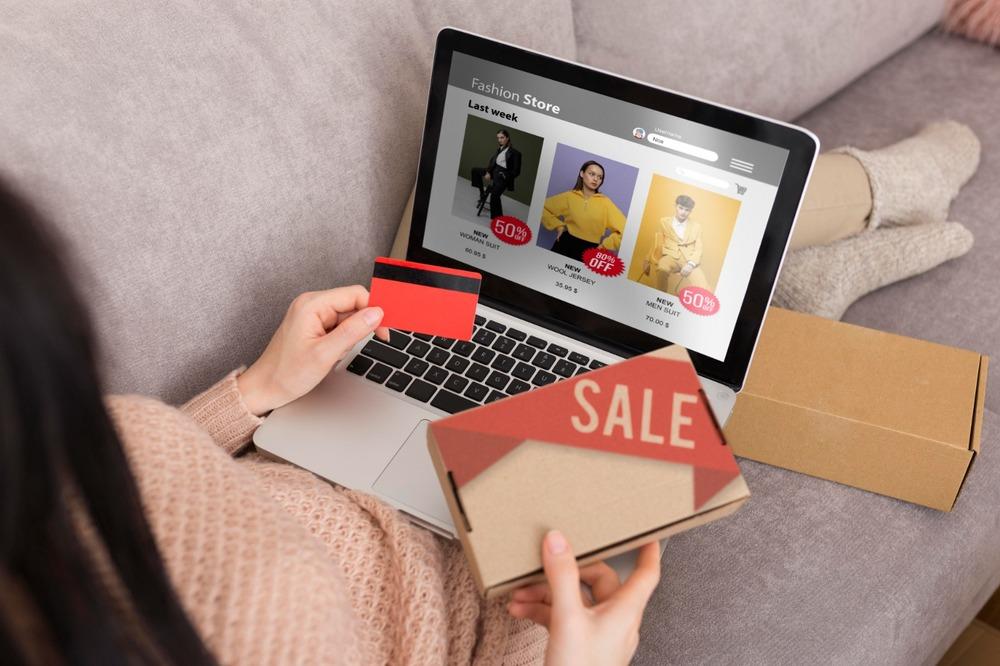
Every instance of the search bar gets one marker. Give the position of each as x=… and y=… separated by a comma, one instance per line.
x=704, y=178
x=681, y=147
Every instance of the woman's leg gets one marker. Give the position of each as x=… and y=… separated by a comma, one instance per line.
x=497, y=188
x=561, y=245
x=837, y=202
x=909, y=182
x=570, y=246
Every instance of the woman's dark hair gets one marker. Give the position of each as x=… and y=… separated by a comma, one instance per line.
x=510, y=144
x=579, y=178
x=62, y=467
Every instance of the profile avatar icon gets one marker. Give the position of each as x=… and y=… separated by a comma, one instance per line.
x=639, y=133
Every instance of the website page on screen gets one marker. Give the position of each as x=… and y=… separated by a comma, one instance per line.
x=639, y=216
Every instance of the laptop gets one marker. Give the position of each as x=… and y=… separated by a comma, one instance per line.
x=608, y=218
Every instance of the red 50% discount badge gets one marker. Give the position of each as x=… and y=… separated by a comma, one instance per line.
x=699, y=301
x=603, y=262
x=510, y=230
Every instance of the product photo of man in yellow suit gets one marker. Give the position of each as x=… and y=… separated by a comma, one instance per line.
x=674, y=260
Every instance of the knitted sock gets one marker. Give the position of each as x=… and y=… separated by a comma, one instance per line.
x=825, y=279
x=915, y=180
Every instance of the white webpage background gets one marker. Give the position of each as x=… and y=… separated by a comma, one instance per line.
x=617, y=298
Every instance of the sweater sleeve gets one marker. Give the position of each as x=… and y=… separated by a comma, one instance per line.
x=555, y=208
x=222, y=413
x=257, y=585
x=616, y=224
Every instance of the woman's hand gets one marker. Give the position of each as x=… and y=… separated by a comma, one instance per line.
x=318, y=329
x=580, y=632
x=559, y=232
x=645, y=267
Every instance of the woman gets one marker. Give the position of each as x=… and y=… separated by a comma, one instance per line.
x=499, y=175
x=582, y=216
x=131, y=533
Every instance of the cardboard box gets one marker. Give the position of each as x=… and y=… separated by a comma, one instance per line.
x=614, y=458
x=881, y=412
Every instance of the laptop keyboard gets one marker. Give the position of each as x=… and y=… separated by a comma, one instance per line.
x=454, y=375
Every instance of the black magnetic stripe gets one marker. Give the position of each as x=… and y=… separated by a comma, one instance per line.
x=426, y=278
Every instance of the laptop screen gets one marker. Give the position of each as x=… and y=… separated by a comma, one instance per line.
x=641, y=217
x=622, y=214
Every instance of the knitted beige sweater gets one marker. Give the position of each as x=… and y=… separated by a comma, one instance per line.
x=276, y=566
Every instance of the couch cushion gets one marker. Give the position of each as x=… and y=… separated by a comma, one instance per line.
x=937, y=77
x=811, y=571
x=774, y=58
x=208, y=161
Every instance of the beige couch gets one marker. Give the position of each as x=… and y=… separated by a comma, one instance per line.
x=208, y=161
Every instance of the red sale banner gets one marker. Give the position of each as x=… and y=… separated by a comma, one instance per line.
x=648, y=406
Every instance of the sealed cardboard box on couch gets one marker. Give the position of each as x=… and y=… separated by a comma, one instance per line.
x=881, y=412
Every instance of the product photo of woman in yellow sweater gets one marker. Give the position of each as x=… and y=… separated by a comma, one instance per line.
x=582, y=216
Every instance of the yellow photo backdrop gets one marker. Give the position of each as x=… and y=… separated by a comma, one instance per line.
x=716, y=214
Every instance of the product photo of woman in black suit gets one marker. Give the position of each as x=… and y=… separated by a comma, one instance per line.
x=498, y=176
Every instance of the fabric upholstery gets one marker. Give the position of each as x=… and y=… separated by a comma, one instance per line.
x=774, y=58
x=813, y=572
x=810, y=571
x=207, y=161
x=210, y=160
x=938, y=77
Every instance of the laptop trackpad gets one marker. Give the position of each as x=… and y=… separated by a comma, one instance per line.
x=410, y=479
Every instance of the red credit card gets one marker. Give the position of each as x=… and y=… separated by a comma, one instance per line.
x=424, y=298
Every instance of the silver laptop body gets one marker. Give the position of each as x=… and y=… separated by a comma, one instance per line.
x=365, y=436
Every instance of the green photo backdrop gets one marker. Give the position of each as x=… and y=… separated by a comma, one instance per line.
x=480, y=143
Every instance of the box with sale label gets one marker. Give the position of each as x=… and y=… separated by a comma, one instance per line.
x=614, y=458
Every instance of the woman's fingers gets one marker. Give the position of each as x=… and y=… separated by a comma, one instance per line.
x=602, y=579
x=348, y=333
x=536, y=612
x=562, y=572
x=634, y=593
x=539, y=592
x=382, y=333
x=334, y=306
x=328, y=305
x=319, y=328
